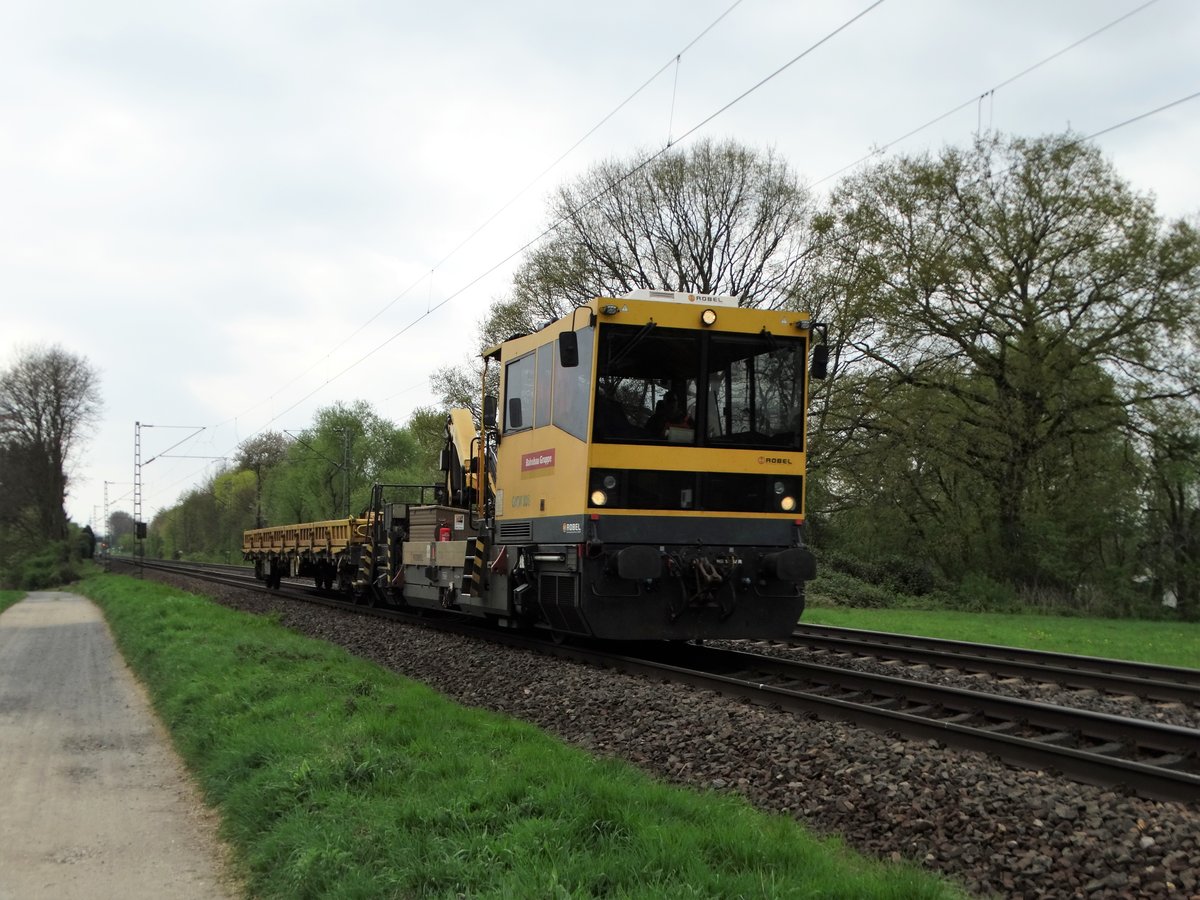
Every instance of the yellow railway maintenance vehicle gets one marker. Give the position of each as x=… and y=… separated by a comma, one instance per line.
x=641, y=477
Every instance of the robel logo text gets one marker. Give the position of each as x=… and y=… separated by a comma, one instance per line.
x=779, y=460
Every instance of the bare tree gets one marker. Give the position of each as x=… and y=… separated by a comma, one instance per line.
x=48, y=400
x=715, y=219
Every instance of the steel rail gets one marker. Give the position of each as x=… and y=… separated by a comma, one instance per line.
x=1146, y=680
x=1155, y=760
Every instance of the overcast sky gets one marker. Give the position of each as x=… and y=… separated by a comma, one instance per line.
x=211, y=201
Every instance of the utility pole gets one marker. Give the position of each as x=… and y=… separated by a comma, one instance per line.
x=107, y=533
x=138, y=525
x=346, y=468
x=139, y=530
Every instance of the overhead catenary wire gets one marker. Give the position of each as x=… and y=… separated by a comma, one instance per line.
x=588, y=202
x=990, y=92
x=625, y=177
x=462, y=289
x=674, y=60
x=554, y=226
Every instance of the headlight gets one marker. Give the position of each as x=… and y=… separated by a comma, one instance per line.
x=779, y=487
x=599, y=498
x=609, y=482
x=787, y=504
x=708, y=318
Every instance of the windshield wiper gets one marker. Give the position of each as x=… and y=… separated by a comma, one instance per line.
x=633, y=342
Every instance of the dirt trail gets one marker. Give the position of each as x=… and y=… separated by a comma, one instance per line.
x=94, y=801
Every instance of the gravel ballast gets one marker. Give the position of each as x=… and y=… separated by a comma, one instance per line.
x=1001, y=831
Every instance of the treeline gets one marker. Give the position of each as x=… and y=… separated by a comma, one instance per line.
x=1011, y=418
x=323, y=472
x=1015, y=400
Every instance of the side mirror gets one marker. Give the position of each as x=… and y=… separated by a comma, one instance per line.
x=489, y=412
x=514, y=413
x=568, y=350
x=444, y=460
x=820, y=361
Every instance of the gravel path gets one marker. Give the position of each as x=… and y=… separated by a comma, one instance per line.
x=1001, y=831
x=94, y=801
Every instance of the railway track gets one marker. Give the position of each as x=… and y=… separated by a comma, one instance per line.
x=1151, y=682
x=1151, y=759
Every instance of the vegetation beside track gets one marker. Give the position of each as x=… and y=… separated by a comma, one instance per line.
x=334, y=777
x=8, y=598
x=1164, y=643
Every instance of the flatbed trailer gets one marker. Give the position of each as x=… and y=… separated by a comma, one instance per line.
x=309, y=548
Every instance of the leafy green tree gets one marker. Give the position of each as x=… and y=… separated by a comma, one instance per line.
x=1013, y=305
x=1172, y=472
x=120, y=523
x=330, y=466
x=260, y=454
x=427, y=429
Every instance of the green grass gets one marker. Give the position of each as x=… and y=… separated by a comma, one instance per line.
x=8, y=598
x=337, y=778
x=1166, y=643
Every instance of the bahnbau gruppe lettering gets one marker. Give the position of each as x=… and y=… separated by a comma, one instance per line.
x=539, y=459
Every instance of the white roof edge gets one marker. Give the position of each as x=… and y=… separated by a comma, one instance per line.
x=680, y=297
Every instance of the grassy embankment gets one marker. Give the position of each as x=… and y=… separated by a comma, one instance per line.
x=8, y=598
x=1165, y=643
x=335, y=777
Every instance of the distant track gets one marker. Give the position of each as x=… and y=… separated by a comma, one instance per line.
x=1155, y=760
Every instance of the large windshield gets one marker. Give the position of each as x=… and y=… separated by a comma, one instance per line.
x=676, y=386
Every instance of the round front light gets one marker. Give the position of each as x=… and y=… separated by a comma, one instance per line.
x=599, y=498
x=779, y=487
x=610, y=482
x=708, y=318
x=787, y=504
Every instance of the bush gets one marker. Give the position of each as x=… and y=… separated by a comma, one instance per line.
x=983, y=594
x=835, y=561
x=901, y=574
x=907, y=575
x=52, y=566
x=840, y=589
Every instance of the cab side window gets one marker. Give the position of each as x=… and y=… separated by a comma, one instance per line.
x=518, y=394
x=573, y=388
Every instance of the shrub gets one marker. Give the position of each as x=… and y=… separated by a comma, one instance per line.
x=983, y=594
x=839, y=589
x=901, y=574
x=907, y=575
x=52, y=566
